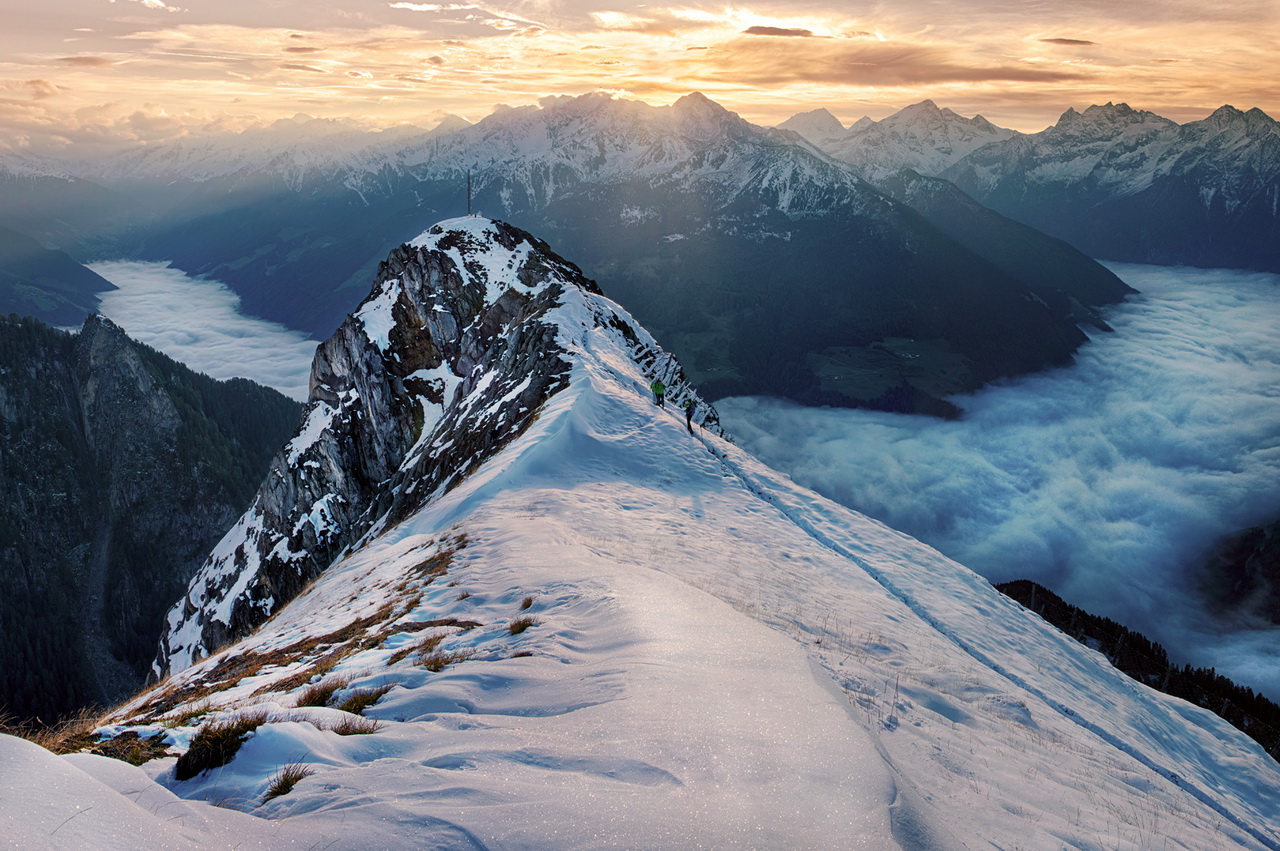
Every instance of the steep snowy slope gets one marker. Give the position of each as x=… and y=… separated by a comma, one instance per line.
x=615, y=632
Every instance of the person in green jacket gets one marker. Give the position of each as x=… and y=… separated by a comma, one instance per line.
x=689, y=407
x=659, y=393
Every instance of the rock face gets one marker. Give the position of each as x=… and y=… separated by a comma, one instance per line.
x=1124, y=184
x=120, y=468
x=1243, y=575
x=468, y=331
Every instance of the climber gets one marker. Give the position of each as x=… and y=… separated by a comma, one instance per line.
x=689, y=407
x=659, y=392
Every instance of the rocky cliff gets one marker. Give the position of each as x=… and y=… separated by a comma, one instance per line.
x=120, y=468
x=468, y=331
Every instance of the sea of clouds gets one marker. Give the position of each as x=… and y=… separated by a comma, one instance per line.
x=1107, y=481
x=198, y=322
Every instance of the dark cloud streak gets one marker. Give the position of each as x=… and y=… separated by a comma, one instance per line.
x=778, y=31
x=782, y=61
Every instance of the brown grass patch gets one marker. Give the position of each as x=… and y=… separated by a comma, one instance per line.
x=419, y=626
x=132, y=748
x=362, y=698
x=356, y=725
x=216, y=743
x=521, y=623
x=285, y=779
x=70, y=735
x=237, y=666
x=319, y=694
x=438, y=661
x=423, y=647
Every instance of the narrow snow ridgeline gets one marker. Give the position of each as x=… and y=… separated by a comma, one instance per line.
x=569, y=623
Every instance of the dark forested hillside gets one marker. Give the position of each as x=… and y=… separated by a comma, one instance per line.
x=1148, y=663
x=119, y=470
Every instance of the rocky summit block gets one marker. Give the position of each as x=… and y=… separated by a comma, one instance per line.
x=466, y=333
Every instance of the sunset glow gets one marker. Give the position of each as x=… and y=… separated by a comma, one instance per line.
x=105, y=72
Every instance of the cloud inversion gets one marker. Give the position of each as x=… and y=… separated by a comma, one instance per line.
x=1106, y=481
x=199, y=323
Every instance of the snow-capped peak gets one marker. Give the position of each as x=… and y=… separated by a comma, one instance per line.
x=469, y=329
x=921, y=137
x=817, y=125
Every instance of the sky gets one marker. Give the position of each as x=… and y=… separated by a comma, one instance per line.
x=1107, y=481
x=84, y=73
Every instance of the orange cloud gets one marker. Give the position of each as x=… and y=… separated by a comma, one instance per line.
x=86, y=61
x=778, y=31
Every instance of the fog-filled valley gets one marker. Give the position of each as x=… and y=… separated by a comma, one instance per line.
x=1108, y=480
x=199, y=323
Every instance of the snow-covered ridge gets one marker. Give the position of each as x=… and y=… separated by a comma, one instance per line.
x=1114, y=150
x=467, y=331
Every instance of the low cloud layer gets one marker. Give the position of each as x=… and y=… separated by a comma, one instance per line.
x=199, y=323
x=1106, y=481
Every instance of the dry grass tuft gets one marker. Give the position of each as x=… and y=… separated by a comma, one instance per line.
x=422, y=648
x=362, y=698
x=438, y=661
x=186, y=716
x=356, y=726
x=71, y=734
x=434, y=567
x=216, y=743
x=522, y=623
x=131, y=748
x=526, y=603
x=285, y=779
x=319, y=694
x=418, y=626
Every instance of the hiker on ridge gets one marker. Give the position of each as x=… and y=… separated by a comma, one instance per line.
x=659, y=392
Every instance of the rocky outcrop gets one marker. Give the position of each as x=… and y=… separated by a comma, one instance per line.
x=468, y=330
x=119, y=469
x=1243, y=574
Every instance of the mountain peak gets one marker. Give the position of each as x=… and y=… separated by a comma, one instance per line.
x=814, y=125
x=926, y=105
x=450, y=123
x=467, y=332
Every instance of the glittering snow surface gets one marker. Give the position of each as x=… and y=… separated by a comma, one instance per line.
x=719, y=658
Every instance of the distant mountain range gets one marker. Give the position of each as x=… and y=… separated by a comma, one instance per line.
x=884, y=265
x=1115, y=182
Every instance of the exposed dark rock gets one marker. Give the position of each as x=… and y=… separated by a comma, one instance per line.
x=1243, y=574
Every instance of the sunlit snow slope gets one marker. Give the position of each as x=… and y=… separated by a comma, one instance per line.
x=717, y=658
